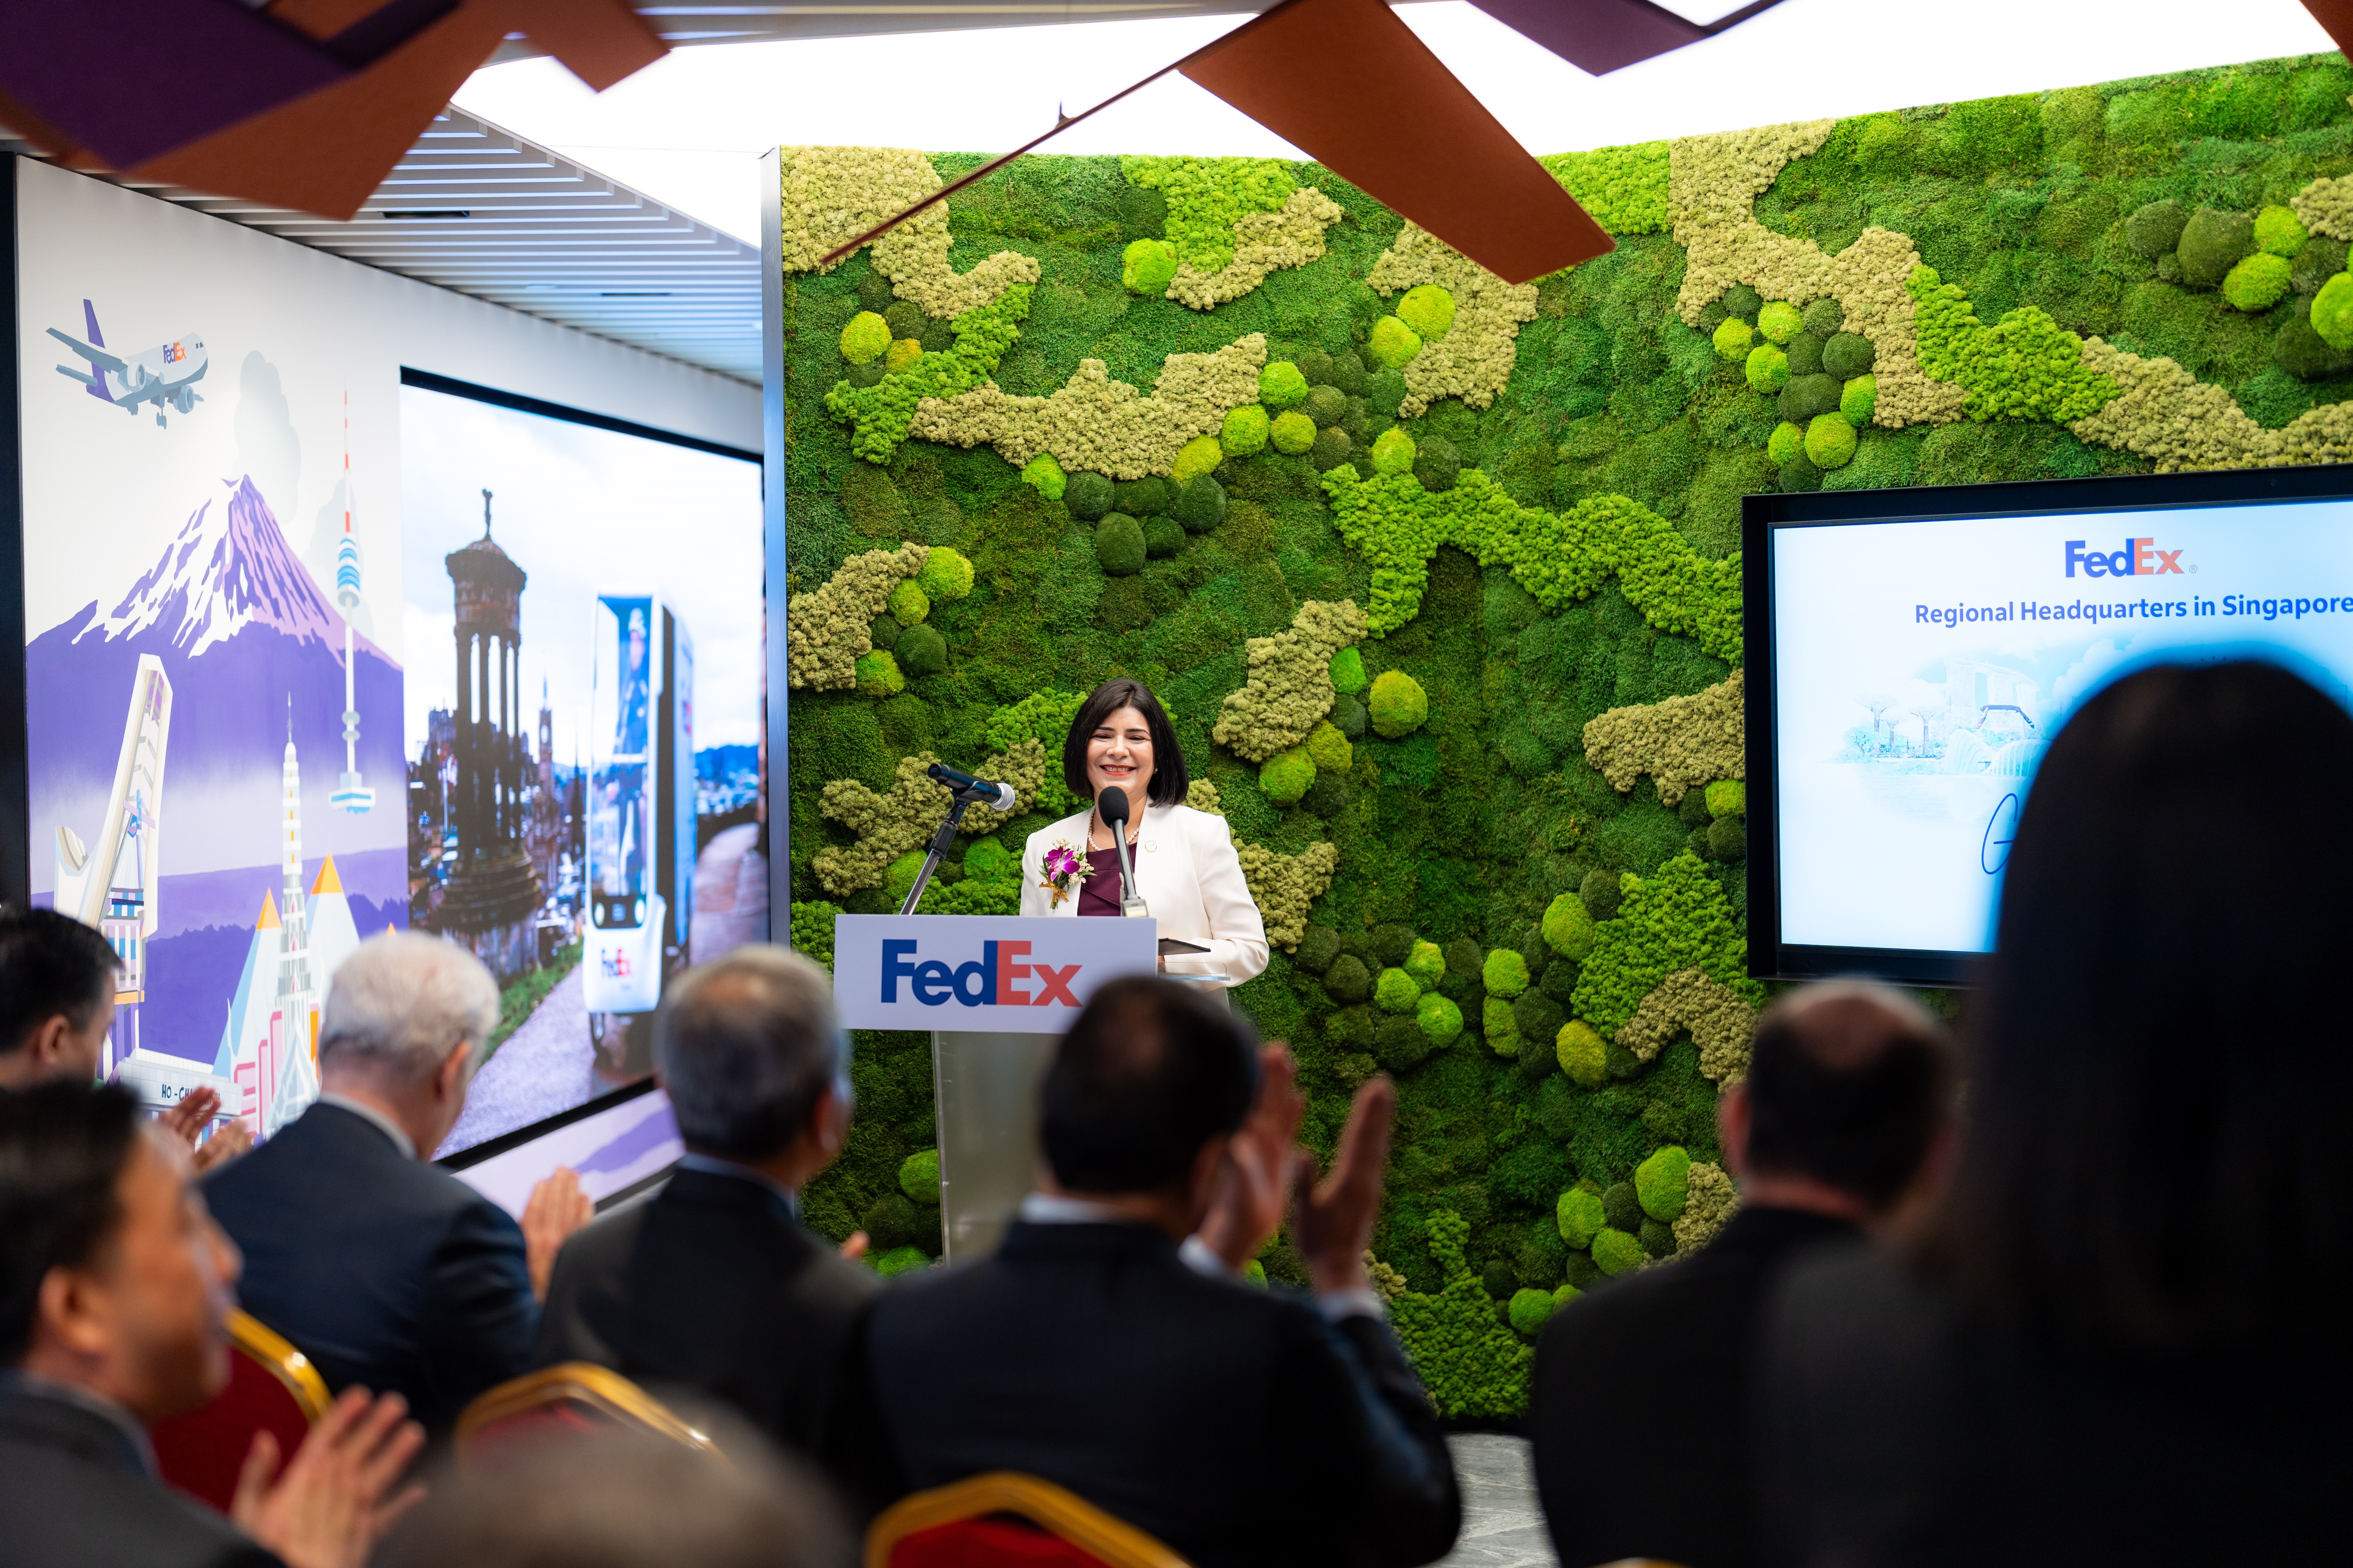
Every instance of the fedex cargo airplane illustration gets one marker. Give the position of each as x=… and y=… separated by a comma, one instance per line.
x=166, y=374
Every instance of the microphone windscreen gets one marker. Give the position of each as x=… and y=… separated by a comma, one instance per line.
x=1004, y=798
x=1112, y=805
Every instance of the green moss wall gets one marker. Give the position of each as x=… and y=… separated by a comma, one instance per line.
x=1546, y=846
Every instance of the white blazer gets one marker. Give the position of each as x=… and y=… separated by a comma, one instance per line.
x=1186, y=870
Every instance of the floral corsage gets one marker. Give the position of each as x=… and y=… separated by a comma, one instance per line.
x=1066, y=867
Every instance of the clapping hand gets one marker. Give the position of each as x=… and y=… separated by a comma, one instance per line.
x=1332, y=1223
x=187, y=1120
x=334, y=1499
x=556, y=1208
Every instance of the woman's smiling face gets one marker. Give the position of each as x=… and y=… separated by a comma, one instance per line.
x=1119, y=756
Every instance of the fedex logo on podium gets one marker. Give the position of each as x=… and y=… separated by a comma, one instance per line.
x=2138, y=558
x=1002, y=976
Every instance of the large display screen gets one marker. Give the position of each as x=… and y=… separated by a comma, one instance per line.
x=582, y=607
x=1916, y=666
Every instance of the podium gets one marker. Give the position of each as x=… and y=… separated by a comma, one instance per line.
x=995, y=994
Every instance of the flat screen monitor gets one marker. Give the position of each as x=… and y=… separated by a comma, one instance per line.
x=1911, y=653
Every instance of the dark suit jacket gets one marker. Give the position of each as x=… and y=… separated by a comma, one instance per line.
x=384, y=1271
x=1232, y=1423
x=714, y=1286
x=1641, y=1401
x=1895, y=1429
x=75, y=1492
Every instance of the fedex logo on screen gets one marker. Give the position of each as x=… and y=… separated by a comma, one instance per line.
x=1002, y=976
x=2138, y=558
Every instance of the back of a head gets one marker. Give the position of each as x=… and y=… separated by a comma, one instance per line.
x=2157, y=1151
x=1149, y=1072
x=401, y=1003
x=1848, y=1084
x=62, y=1147
x=746, y=1046
x=621, y=1499
x=49, y=965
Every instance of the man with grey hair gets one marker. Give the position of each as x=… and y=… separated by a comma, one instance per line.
x=388, y=1273
x=715, y=1285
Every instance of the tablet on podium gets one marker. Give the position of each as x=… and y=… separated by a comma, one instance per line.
x=996, y=992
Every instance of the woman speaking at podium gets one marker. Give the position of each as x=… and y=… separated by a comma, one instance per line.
x=1187, y=876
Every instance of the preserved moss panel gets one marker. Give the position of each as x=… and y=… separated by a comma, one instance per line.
x=1530, y=558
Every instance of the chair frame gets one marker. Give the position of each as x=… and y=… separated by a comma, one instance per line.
x=1118, y=1543
x=583, y=1383
x=289, y=1366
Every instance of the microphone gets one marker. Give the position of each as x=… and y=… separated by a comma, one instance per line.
x=999, y=797
x=1112, y=805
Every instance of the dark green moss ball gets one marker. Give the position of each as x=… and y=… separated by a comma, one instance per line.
x=1538, y=1016
x=1354, y=1026
x=1693, y=808
x=1534, y=952
x=1499, y=1280
x=884, y=633
x=893, y=1221
x=1393, y=944
x=938, y=337
x=871, y=373
x=1399, y=1045
x=1538, y=1056
x=906, y=319
x=1807, y=395
x=1347, y=373
x=1847, y=356
x=1539, y=1256
x=2212, y=244
x=1463, y=961
x=1357, y=944
x=1743, y=301
x=921, y=650
x=1383, y=391
x=1602, y=894
x=1357, y=423
x=1328, y=797
x=874, y=292
x=1314, y=364
x=1579, y=1270
x=1697, y=844
x=1318, y=949
x=1620, y=1063
x=1348, y=716
x=1162, y=538
x=1657, y=1239
x=1713, y=315
x=2302, y=353
x=1146, y=497
x=1800, y=474
x=1119, y=545
x=2154, y=230
x=1825, y=316
x=1332, y=449
x=1436, y=463
x=1089, y=496
x=1805, y=351
x=1201, y=506
x=1348, y=980
x=1727, y=840
x=1324, y=404
x=1621, y=1207
x=1560, y=981
x=2320, y=260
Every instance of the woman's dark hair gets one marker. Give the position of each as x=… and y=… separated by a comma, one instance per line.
x=62, y=1147
x=1169, y=780
x=1149, y=1072
x=2156, y=1152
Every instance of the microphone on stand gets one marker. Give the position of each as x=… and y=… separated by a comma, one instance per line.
x=997, y=797
x=1112, y=805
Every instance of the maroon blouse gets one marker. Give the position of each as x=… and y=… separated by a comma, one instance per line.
x=1099, y=889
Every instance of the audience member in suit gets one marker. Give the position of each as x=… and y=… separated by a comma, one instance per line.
x=1842, y=1119
x=384, y=1271
x=115, y=1289
x=57, y=1007
x=2121, y=1339
x=1238, y=1425
x=624, y=1499
x=715, y=1285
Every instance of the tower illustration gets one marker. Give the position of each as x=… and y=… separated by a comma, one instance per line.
x=350, y=793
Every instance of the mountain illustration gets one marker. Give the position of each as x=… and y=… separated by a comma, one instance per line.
x=241, y=626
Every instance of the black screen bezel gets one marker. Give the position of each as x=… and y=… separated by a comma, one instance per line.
x=1769, y=958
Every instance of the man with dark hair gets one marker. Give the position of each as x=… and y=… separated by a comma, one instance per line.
x=385, y=1270
x=1841, y=1124
x=115, y=1289
x=715, y=1285
x=1238, y=1425
x=57, y=1007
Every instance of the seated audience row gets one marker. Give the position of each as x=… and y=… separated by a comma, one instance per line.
x=2105, y=1338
